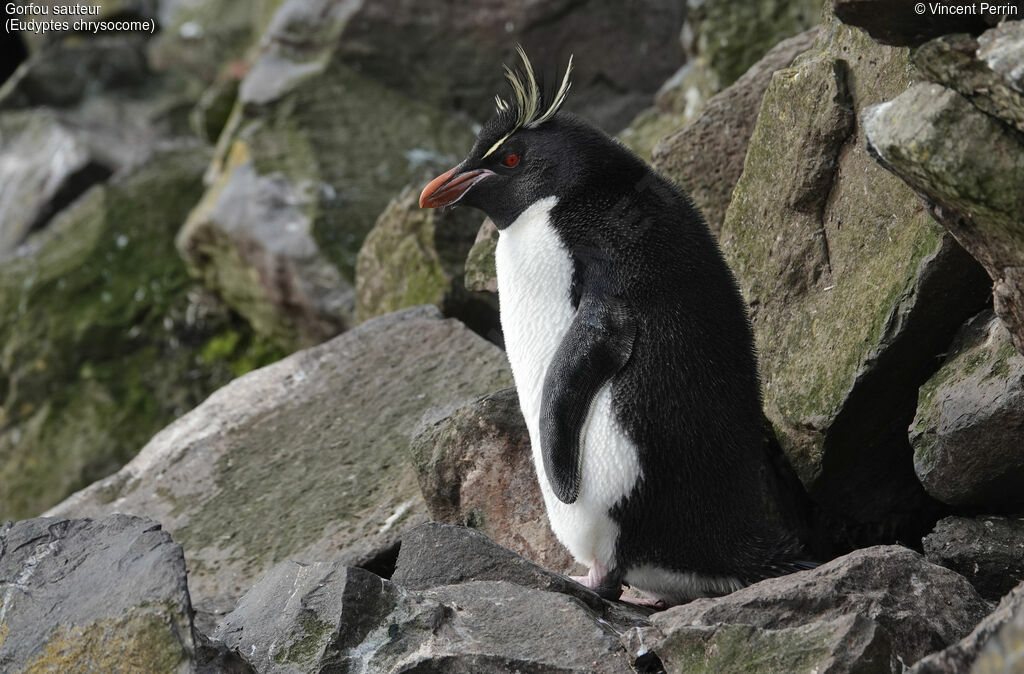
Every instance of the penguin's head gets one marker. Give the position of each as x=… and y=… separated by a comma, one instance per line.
x=525, y=152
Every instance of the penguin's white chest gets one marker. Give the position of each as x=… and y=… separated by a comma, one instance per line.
x=534, y=281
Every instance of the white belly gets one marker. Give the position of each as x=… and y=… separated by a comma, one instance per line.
x=534, y=279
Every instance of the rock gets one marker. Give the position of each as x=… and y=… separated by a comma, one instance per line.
x=481, y=274
x=988, y=71
x=325, y=148
x=870, y=610
x=705, y=157
x=418, y=256
x=969, y=167
x=475, y=468
x=436, y=554
x=325, y=616
x=103, y=338
x=397, y=44
x=252, y=238
x=970, y=421
x=93, y=595
x=728, y=37
x=44, y=166
x=853, y=288
x=305, y=457
x=988, y=551
x=960, y=656
x=1004, y=652
x=897, y=23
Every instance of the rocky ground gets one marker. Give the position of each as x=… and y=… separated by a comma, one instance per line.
x=254, y=411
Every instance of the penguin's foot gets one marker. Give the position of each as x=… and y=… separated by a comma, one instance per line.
x=656, y=603
x=606, y=585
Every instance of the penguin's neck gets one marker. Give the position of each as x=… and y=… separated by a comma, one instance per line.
x=535, y=272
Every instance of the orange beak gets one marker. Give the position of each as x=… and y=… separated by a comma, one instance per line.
x=448, y=187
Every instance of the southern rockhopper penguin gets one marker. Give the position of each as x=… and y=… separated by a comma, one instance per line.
x=631, y=351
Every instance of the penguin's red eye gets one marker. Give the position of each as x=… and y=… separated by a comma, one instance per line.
x=511, y=160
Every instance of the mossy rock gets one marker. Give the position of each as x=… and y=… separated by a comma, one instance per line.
x=104, y=337
x=853, y=287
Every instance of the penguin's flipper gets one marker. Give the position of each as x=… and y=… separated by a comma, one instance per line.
x=597, y=345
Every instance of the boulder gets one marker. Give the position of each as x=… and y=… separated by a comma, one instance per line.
x=853, y=288
x=481, y=274
x=103, y=338
x=873, y=610
x=483, y=609
x=970, y=167
x=303, y=458
x=705, y=157
x=987, y=70
x=988, y=551
x=475, y=468
x=729, y=36
x=64, y=608
x=970, y=421
x=898, y=23
x=309, y=158
x=1004, y=652
x=418, y=256
x=44, y=166
x=994, y=636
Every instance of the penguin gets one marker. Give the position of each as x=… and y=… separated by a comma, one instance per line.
x=631, y=351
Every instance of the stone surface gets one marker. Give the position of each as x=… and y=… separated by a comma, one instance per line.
x=897, y=23
x=1004, y=652
x=305, y=457
x=327, y=147
x=853, y=288
x=967, y=435
x=63, y=607
x=868, y=611
x=475, y=468
x=729, y=36
x=436, y=554
x=43, y=167
x=988, y=71
x=418, y=256
x=969, y=166
x=706, y=156
x=498, y=614
x=988, y=551
x=999, y=657
x=103, y=338
x=481, y=274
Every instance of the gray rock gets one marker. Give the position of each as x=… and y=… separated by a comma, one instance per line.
x=896, y=23
x=1004, y=652
x=44, y=166
x=436, y=554
x=970, y=421
x=706, y=156
x=475, y=468
x=325, y=617
x=853, y=288
x=988, y=551
x=988, y=70
x=93, y=595
x=302, y=457
x=970, y=167
x=869, y=611
x=960, y=656
x=417, y=256
x=481, y=274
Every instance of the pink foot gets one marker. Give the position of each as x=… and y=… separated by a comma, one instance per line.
x=597, y=579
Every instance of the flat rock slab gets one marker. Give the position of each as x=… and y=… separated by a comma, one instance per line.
x=303, y=459
x=93, y=595
x=866, y=611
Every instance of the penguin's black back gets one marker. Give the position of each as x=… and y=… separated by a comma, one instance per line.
x=689, y=395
